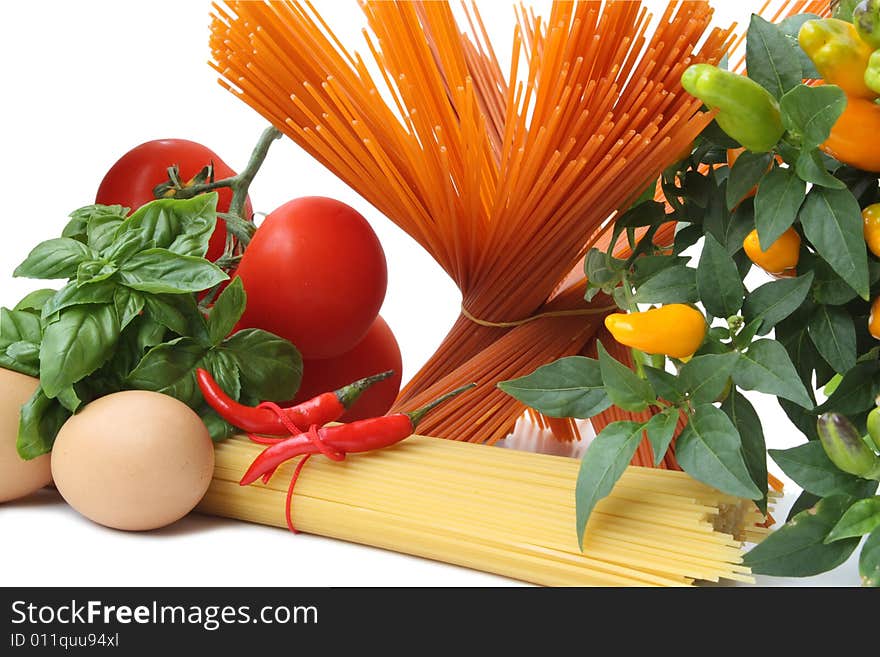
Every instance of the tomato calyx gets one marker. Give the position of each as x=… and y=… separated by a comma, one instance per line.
x=173, y=187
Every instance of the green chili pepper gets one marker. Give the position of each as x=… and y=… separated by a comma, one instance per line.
x=874, y=427
x=872, y=72
x=866, y=18
x=746, y=111
x=845, y=447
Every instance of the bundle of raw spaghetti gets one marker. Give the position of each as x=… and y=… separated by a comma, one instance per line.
x=505, y=178
x=500, y=511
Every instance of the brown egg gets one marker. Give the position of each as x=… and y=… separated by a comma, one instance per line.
x=133, y=460
x=17, y=477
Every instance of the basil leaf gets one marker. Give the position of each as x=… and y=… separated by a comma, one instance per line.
x=624, y=388
x=73, y=295
x=809, y=113
x=677, y=284
x=833, y=333
x=832, y=222
x=160, y=271
x=56, y=258
x=76, y=344
x=78, y=226
x=811, y=169
x=128, y=305
x=869, y=560
x=661, y=430
x=20, y=335
x=218, y=428
x=718, y=282
x=777, y=202
x=227, y=310
x=766, y=367
x=169, y=368
x=666, y=385
x=35, y=300
x=771, y=58
x=179, y=313
x=69, y=399
x=706, y=376
x=568, y=387
x=813, y=471
x=270, y=367
x=861, y=518
x=601, y=466
x=102, y=228
x=754, y=449
x=180, y=226
x=797, y=549
x=745, y=173
x=38, y=424
x=709, y=450
x=776, y=300
x=225, y=369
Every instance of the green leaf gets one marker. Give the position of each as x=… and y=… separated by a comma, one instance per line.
x=624, y=388
x=218, y=428
x=861, y=518
x=179, y=313
x=705, y=377
x=666, y=385
x=813, y=471
x=718, y=283
x=869, y=560
x=771, y=58
x=832, y=222
x=56, y=258
x=128, y=305
x=797, y=549
x=602, y=465
x=777, y=202
x=811, y=169
x=568, y=387
x=661, y=429
x=102, y=228
x=69, y=399
x=180, y=226
x=225, y=370
x=159, y=271
x=76, y=344
x=35, y=300
x=20, y=335
x=709, y=450
x=39, y=422
x=766, y=367
x=676, y=284
x=73, y=295
x=833, y=333
x=78, y=226
x=745, y=173
x=271, y=367
x=856, y=391
x=169, y=368
x=598, y=269
x=809, y=113
x=94, y=271
x=648, y=266
x=803, y=502
x=828, y=287
x=754, y=449
x=790, y=27
x=776, y=300
x=227, y=310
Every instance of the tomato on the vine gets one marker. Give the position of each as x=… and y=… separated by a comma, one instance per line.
x=377, y=352
x=314, y=274
x=130, y=182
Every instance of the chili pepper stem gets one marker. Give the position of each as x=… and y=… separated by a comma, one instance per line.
x=416, y=416
x=349, y=394
x=638, y=356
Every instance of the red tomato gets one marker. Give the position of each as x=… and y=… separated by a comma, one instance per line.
x=314, y=274
x=131, y=180
x=377, y=352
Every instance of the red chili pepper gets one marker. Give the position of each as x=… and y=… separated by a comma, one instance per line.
x=337, y=441
x=320, y=410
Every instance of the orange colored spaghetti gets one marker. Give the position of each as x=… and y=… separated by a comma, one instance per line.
x=506, y=177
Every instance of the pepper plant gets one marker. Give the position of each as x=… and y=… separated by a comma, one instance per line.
x=806, y=336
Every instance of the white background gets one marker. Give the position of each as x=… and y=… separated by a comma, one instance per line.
x=85, y=81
